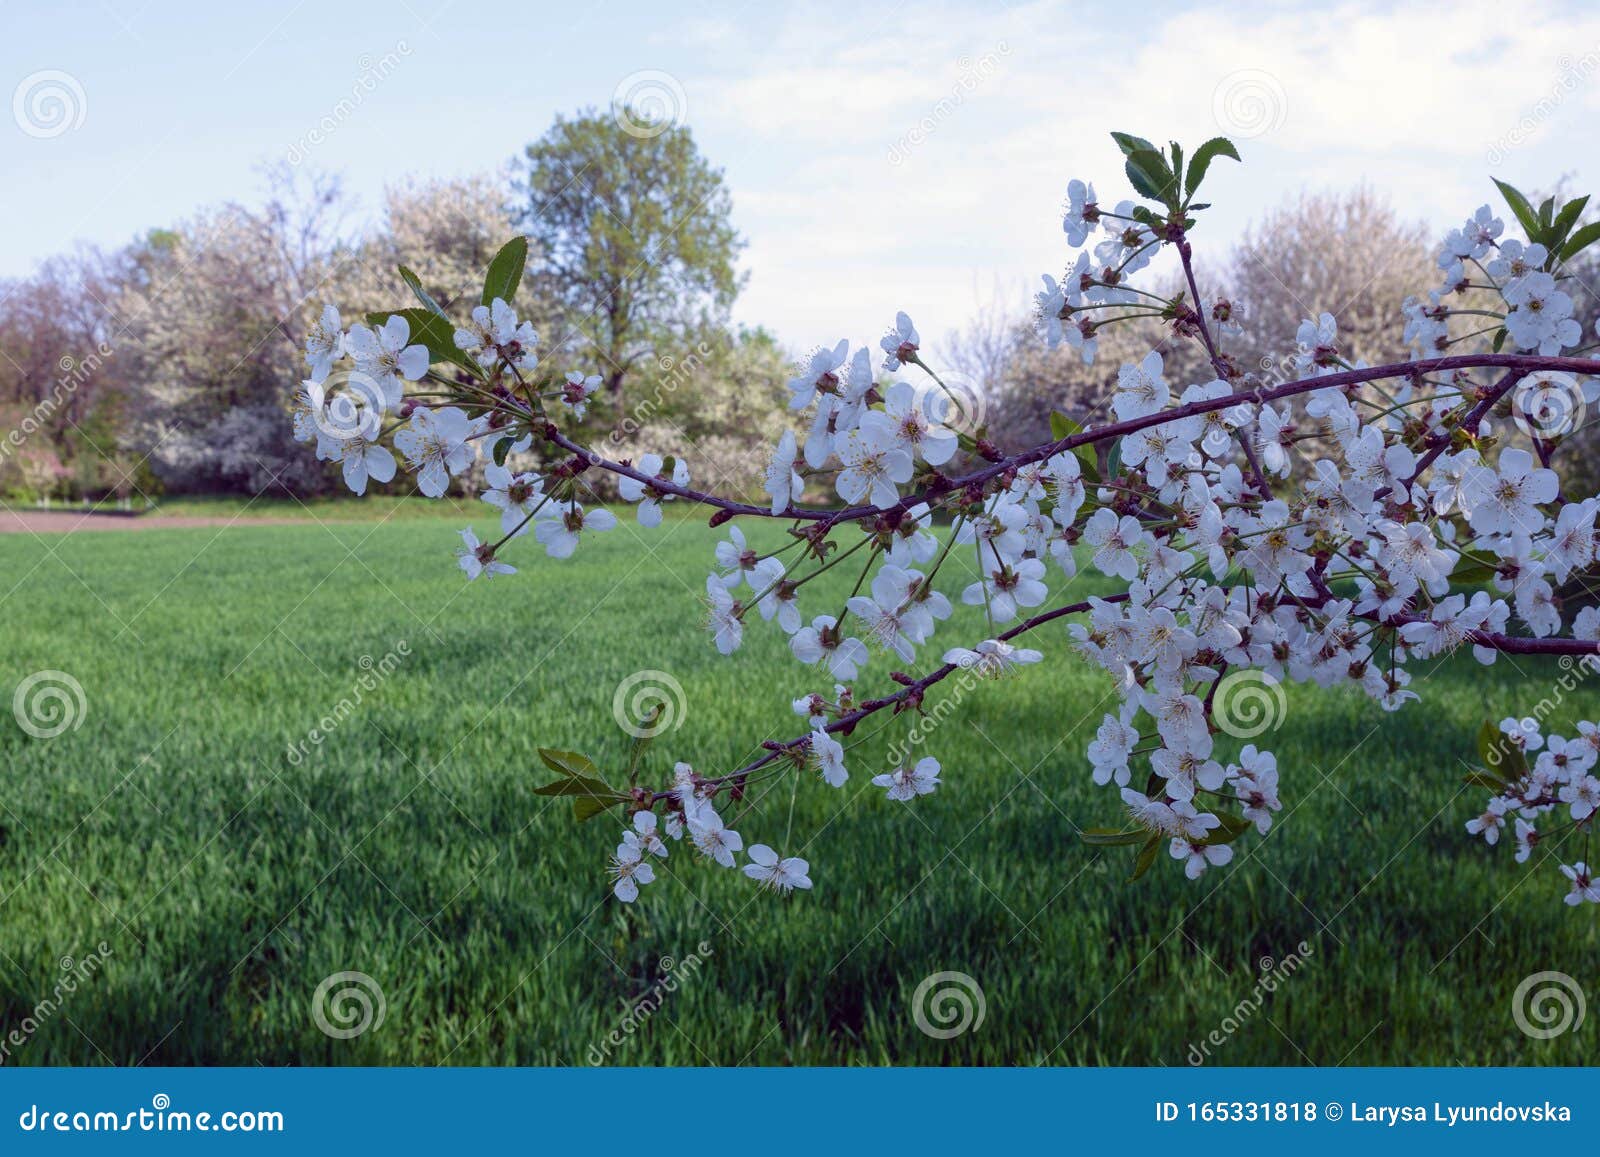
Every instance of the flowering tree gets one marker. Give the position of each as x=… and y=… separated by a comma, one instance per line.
x=1435, y=523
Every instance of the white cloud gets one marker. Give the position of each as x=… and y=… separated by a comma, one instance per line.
x=1420, y=102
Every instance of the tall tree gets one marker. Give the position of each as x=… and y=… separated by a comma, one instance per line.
x=631, y=228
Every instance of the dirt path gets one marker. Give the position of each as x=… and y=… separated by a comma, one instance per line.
x=71, y=521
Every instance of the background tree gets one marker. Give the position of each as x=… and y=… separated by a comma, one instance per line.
x=1349, y=254
x=634, y=242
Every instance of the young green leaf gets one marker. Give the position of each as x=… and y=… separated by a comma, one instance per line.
x=1565, y=220
x=422, y=294
x=1203, y=156
x=1146, y=857
x=1519, y=208
x=568, y=762
x=587, y=807
x=1130, y=144
x=1110, y=837
x=434, y=332
x=1500, y=756
x=581, y=785
x=505, y=271
x=645, y=731
x=1581, y=240
x=1230, y=828
x=1150, y=176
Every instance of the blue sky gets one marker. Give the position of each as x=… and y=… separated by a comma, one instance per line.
x=881, y=157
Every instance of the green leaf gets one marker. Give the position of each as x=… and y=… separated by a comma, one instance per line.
x=582, y=785
x=1203, y=156
x=1147, y=856
x=1547, y=214
x=505, y=271
x=1150, y=176
x=1499, y=338
x=587, y=807
x=567, y=762
x=1565, y=220
x=1114, y=459
x=1485, y=779
x=1175, y=151
x=434, y=332
x=1519, y=208
x=423, y=295
x=1474, y=567
x=1230, y=829
x=1130, y=144
x=1500, y=757
x=1061, y=427
x=645, y=732
x=1111, y=837
x=501, y=449
x=1581, y=240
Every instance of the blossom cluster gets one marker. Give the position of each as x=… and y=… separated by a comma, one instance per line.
x=1333, y=530
x=1546, y=780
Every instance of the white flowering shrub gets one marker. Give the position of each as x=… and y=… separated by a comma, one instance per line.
x=1436, y=525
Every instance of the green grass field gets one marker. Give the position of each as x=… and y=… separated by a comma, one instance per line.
x=228, y=881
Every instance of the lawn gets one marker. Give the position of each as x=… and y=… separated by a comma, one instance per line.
x=228, y=877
